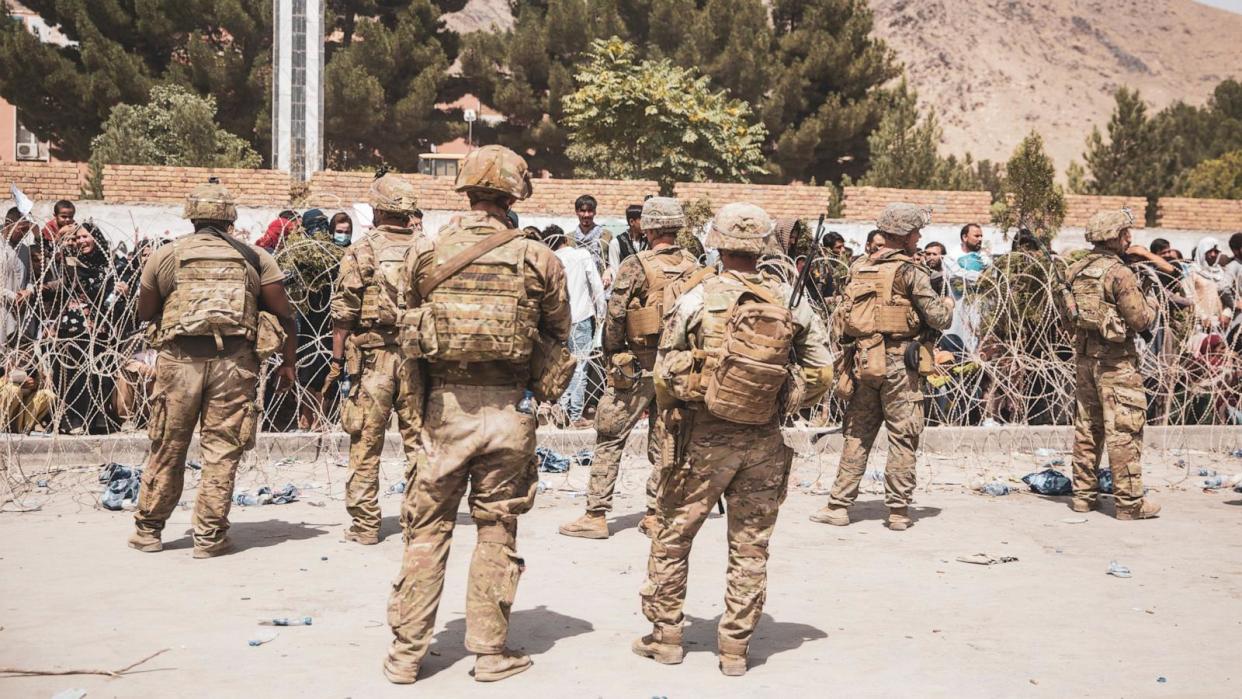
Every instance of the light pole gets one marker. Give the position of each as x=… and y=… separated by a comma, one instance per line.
x=297, y=87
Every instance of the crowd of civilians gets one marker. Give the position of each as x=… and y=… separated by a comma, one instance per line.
x=77, y=362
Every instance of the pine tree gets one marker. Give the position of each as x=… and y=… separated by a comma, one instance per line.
x=1131, y=161
x=1032, y=198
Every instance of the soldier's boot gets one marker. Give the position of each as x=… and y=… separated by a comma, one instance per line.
x=662, y=645
x=361, y=537
x=899, y=519
x=400, y=671
x=1146, y=509
x=647, y=527
x=145, y=541
x=832, y=514
x=218, y=548
x=497, y=666
x=592, y=525
x=1083, y=505
x=732, y=657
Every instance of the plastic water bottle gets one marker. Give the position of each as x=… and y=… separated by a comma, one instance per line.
x=347, y=385
x=528, y=403
x=286, y=621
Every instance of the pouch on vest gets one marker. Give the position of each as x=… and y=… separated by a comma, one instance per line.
x=845, y=383
x=379, y=304
x=211, y=298
x=745, y=385
x=871, y=306
x=624, y=371
x=644, y=323
x=551, y=368
x=918, y=358
x=271, y=336
x=1094, y=313
x=870, y=359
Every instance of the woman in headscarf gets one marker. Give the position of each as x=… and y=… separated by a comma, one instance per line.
x=284, y=224
x=1206, y=283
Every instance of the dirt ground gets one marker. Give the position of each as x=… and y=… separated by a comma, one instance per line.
x=857, y=611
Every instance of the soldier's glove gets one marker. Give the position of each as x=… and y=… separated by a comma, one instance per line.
x=335, y=368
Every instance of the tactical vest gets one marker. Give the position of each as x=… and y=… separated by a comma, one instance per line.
x=481, y=313
x=381, y=272
x=742, y=364
x=1095, y=313
x=211, y=297
x=645, y=318
x=871, y=306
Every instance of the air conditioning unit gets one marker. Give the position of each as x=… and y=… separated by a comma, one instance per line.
x=28, y=145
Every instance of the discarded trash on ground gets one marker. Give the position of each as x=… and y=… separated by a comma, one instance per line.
x=121, y=484
x=1075, y=520
x=1049, y=482
x=985, y=559
x=286, y=621
x=265, y=496
x=265, y=636
x=551, y=461
x=1105, y=478
x=1115, y=569
x=396, y=488
x=995, y=488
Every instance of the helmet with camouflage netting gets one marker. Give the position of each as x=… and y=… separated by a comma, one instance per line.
x=210, y=202
x=391, y=192
x=741, y=227
x=1107, y=225
x=902, y=219
x=662, y=213
x=494, y=169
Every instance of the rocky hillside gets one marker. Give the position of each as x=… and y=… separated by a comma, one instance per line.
x=995, y=69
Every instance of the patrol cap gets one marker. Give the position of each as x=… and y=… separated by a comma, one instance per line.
x=210, y=202
x=662, y=212
x=393, y=193
x=741, y=227
x=1106, y=225
x=494, y=169
x=902, y=219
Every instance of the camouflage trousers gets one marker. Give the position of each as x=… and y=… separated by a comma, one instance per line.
x=618, y=412
x=20, y=412
x=749, y=467
x=388, y=381
x=471, y=435
x=897, y=402
x=218, y=395
x=1110, y=411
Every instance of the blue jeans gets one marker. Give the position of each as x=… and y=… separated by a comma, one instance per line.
x=581, y=337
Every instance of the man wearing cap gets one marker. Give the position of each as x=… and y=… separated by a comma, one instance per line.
x=631, y=336
x=886, y=385
x=366, y=308
x=1110, y=404
x=478, y=303
x=212, y=300
x=718, y=456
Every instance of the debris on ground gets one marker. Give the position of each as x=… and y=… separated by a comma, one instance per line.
x=985, y=559
x=1105, y=478
x=286, y=621
x=266, y=496
x=74, y=693
x=995, y=488
x=121, y=484
x=396, y=488
x=1117, y=570
x=1049, y=482
x=265, y=636
x=1075, y=520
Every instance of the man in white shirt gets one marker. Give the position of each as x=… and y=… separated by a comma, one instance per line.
x=587, y=304
x=962, y=268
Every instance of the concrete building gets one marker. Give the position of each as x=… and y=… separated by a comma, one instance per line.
x=18, y=144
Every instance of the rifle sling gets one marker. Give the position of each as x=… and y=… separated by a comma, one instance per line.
x=459, y=261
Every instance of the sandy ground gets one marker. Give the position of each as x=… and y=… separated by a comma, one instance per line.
x=856, y=611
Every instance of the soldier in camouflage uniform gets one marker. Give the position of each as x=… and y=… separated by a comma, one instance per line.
x=891, y=390
x=366, y=307
x=476, y=301
x=1110, y=402
x=631, y=335
x=212, y=300
x=717, y=456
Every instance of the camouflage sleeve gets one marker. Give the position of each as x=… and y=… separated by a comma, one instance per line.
x=628, y=285
x=811, y=338
x=681, y=321
x=1134, y=308
x=549, y=286
x=419, y=257
x=930, y=305
x=346, y=303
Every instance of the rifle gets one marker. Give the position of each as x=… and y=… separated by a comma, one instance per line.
x=805, y=273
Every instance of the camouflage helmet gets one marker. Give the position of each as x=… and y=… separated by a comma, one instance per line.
x=390, y=192
x=662, y=213
x=902, y=219
x=210, y=202
x=1106, y=225
x=494, y=169
x=741, y=227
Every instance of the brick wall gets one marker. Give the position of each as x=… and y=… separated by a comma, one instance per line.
x=1080, y=207
x=866, y=203
x=44, y=181
x=1201, y=214
x=780, y=201
x=149, y=184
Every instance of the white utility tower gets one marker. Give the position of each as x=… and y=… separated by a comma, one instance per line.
x=297, y=87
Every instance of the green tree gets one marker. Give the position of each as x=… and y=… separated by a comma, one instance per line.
x=176, y=127
x=1219, y=178
x=653, y=120
x=121, y=48
x=1131, y=161
x=1076, y=178
x=905, y=150
x=381, y=86
x=1032, y=198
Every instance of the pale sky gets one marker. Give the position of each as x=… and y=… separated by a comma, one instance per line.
x=1231, y=5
